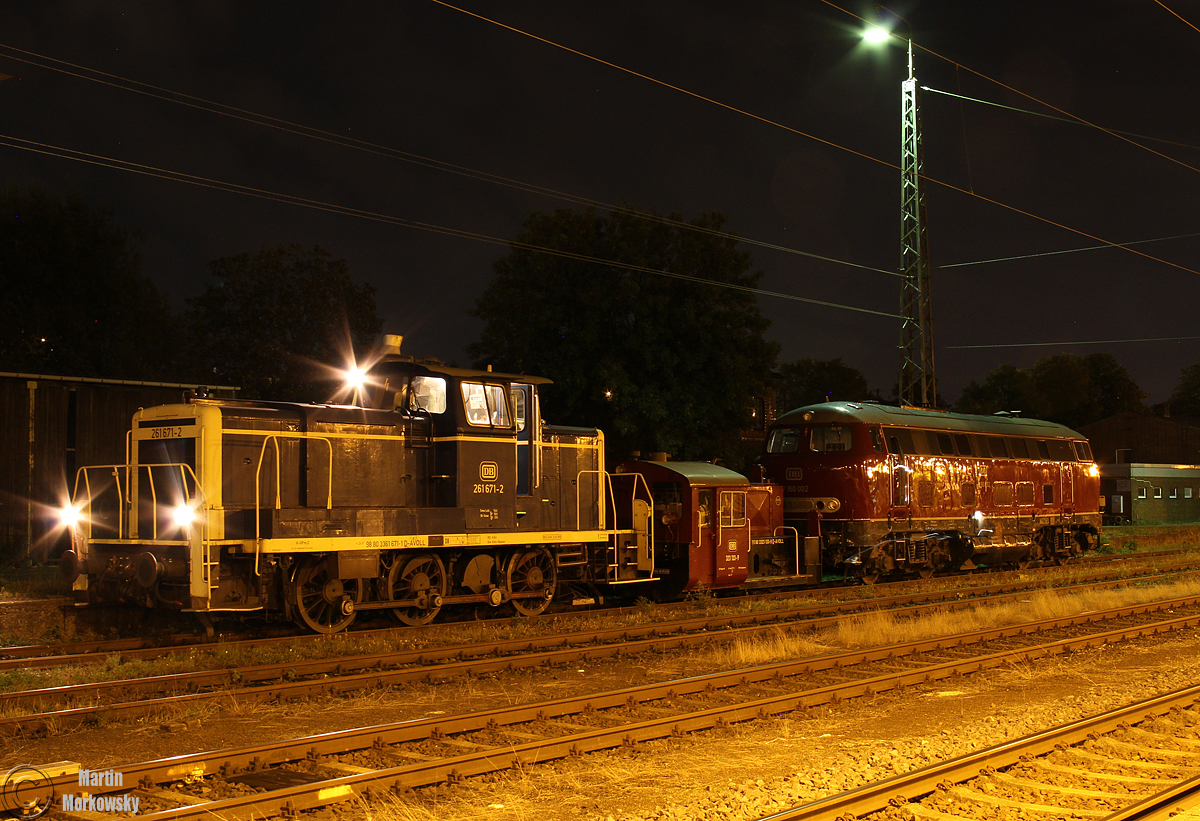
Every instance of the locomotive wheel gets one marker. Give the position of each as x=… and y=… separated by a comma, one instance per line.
x=926, y=571
x=421, y=577
x=870, y=577
x=320, y=600
x=528, y=571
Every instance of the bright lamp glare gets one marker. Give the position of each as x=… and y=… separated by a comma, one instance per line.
x=70, y=515
x=183, y=515
x=876, y=35
x=355, y=377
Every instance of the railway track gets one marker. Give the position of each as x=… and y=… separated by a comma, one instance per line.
x=60, y=708
x=1138, y=762
x=99, y=651
x=289, y=776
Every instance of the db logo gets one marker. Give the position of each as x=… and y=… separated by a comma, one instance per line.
x=488, y=471
x=795, y=473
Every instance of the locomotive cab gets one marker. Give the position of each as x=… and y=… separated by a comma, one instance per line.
x=714, y=529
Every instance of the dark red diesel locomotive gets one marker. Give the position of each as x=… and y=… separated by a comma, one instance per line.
x=904, y=489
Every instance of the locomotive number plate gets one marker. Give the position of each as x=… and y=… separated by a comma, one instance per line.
x=166, y=433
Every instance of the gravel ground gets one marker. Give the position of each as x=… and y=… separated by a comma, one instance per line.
x=741, y=772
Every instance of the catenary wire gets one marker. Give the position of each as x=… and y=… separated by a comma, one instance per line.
x=220, y=185
x=847, y=149
x=1186, y=22
x=1089, y=342
x=1052, y=117
x=254, y=118
x=1065, y=251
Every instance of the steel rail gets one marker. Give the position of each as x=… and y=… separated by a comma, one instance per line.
x=228, y=762
x=94, y=651
x=901, y=788
x=1163, y=805
x=576, y=647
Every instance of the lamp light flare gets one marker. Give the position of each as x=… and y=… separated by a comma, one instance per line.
x=355, y=377
x=876, y=35
x=184, y=515
x=70, y=515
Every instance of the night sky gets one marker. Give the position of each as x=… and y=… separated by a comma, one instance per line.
x=432, y=81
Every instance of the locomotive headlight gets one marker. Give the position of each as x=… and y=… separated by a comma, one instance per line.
x=978, y=518
x=184, y=515
x=70, y=515
x=355, y=377
x=1093, y=470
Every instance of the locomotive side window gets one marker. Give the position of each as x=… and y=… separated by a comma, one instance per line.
x=963, y=443
x=996, y=447
x=1048, y=494
x=1060, y=450
x=925, y=494
x=1083, y=451
x=733, y=508
x=486, y=405
x=784, y=440
x=1018, y=448
x=427, y=393
x=967, y=491
x=1025, y=493
x=1038, y=446
x=825, y=438
x=518, y=400
x=900, y=440
x=945, y=445
x=1002, y=494
x=877, y=440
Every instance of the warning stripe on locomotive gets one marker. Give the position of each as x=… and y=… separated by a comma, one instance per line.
x=321, y=544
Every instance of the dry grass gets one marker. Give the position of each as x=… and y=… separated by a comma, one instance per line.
x=884, y=627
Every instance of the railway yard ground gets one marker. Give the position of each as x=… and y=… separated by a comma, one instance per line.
x=737, y=769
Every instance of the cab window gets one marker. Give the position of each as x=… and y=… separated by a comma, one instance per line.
x=783, y=440
x=486, y=405
x=826, y=438
x=518, y=399
x=733, y=508
x=427, y=393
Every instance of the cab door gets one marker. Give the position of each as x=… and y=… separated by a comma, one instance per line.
x=526, y=423
x=732, y=539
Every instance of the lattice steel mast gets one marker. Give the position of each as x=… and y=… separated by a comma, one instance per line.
x=917, y=384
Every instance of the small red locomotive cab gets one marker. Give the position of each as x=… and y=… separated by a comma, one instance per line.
x=905, y=489
x=715, y=529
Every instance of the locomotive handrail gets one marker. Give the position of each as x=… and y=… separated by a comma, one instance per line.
x=796, y=539
x=271, y=437
x=87, y=486
x=602, y=475
x=123, y=497
x=184, y=470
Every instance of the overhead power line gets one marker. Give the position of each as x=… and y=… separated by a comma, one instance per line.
x=1089, y=342
x=838, y=146
x=254, y=118
x=1052, y=117
x=1066, y=251
x=1186, y=22
x=237, y=188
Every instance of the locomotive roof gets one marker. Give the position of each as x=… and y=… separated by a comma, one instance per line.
x=696, y=473
x=874, y=414
x=435, y=367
